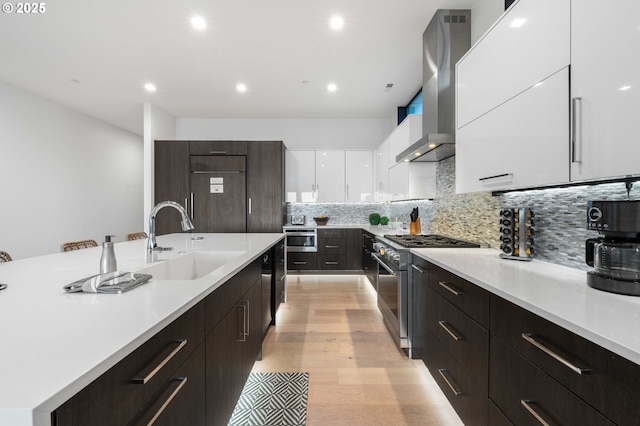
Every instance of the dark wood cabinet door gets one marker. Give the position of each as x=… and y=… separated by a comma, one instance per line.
x=265, y=186
x=224, y=367
x=354, y=250
x=171, y=182
x=218, y=147
x=302, y=261
x=419, y=321
x=278, y=290
x=253, y=340
x=181, y=401
x=219, y=207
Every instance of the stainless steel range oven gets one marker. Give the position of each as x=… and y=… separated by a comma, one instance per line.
x=392, y=253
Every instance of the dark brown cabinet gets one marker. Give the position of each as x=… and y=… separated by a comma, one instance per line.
x=369, y=265
x=300, y=261
x=339, y=249
x=171, y=182
x=226, y=186
x=279, y=281
x=418, y=315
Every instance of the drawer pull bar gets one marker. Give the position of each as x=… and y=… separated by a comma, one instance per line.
x=444, y=377
x=529, y=338
x=451, y=289
x=331, y=246
x=417, y=268
x=143, y=380
x=455, y=336
x=525, y=404
x=299, y=263
x=183, y=381
x=330, y=263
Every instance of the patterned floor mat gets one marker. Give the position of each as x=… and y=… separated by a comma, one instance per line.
x=270, y=399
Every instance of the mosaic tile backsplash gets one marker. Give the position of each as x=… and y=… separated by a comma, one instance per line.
x=560, y=214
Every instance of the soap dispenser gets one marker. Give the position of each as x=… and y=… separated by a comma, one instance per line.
x=108, y=259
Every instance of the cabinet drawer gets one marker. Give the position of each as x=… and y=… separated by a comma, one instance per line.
x=115, y=397
x=462, y=337
x=610, y=385
x=218, y=147
x=181, y=399
x=468, y=297
x=332, y=246
x=469, y=401
x=301, y=261
x=332, y=233
x=522, y=391
x=331, y=262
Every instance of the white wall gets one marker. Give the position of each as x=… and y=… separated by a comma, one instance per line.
x=64, y=176
x=297, y=133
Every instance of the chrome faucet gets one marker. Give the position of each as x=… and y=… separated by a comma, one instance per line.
x=152, y=245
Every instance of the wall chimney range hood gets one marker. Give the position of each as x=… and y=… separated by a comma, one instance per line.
x=446, y=39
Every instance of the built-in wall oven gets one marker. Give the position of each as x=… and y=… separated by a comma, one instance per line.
x=302, y=239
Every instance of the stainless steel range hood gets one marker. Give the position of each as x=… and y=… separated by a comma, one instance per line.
x=446, y=39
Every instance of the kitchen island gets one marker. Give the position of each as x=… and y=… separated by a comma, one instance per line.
x=57, y=343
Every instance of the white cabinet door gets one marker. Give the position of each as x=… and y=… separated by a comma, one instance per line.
x=407, y=132
x=527, y=44
x=330, y=176
x=359, y=176
x=605, y=88
x=414, y=180
x=382, y=171
x=300, y=176
x=522, y=143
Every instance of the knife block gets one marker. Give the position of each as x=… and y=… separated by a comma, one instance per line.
x=415, y=228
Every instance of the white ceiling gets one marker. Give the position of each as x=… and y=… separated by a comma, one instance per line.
x=112, y=48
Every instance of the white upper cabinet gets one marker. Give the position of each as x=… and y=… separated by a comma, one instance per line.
x=415, y=180
x=407, y=132
x=330, y=176
x=382, y=171
x=359, y=176
x=527, y=44
x=300, y=175
x=521, y=143
x=605, y=88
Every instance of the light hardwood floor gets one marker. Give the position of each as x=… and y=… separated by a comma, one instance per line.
x=331, y=328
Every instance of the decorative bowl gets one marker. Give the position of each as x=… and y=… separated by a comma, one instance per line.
x=321, y=220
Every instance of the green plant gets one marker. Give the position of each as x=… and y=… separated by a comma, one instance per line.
x=374, y=219
x=384, y=220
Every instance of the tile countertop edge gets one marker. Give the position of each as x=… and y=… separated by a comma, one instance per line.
x=554, y=292
x=39, y=413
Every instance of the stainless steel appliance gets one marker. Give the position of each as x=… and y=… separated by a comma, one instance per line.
x=517, y=229
x=392, y=283
x=298, y=220
x=615, y=256
x=302, y=240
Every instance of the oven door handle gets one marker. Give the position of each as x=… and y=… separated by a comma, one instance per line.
x=384, y=265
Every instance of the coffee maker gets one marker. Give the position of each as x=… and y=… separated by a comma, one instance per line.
x=615, y=255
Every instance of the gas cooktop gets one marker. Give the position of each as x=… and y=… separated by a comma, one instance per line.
x=431, y=241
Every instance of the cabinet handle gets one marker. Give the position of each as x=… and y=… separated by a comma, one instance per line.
x=143, y=380
x=249, y=205
x=347, y=192
x=331, y=246
x=529, y=338
x=453, y=389
x=242, y=337
x=165, y=404
x=300, y=263
x=248, y=322
x=451, y=289
x=417, y=268
x=218, y=152
x=576, y=130
x=496, y=176
x=192, y=196
x=330, y=263
x=526, y=404
x=453, y=334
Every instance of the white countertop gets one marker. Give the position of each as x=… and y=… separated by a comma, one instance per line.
x=557, y=293
x=55, y=343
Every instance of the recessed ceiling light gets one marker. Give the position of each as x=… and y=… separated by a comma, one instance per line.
x=336, y=23
x=150, y=87
x=332, y=87
x=417, y=154
x=432, y=145
x=241, y=87
x=198, y=23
